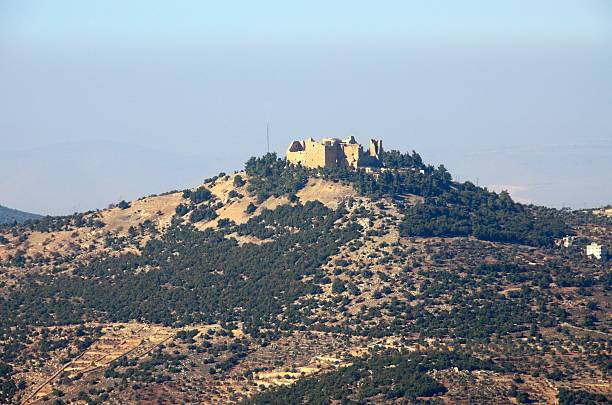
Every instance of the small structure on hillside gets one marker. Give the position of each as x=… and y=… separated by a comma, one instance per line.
x=333, y=152
x=596, y=250
x=566, y=241
x=604, y=212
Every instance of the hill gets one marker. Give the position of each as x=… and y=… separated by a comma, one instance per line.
x=282, y=284
x=9, y=215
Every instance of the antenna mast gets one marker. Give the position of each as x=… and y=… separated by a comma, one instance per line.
x=268, y=136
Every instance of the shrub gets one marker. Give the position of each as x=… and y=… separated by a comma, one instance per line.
x=338, y=286
x=202, y=213
x=250, y=208
x=123, y=204
x=200, y=195
x=181, y=210
x=238, y=181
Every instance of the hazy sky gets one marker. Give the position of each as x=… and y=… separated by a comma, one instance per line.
x=101, y=100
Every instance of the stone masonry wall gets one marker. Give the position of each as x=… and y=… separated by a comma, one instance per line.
x=332, y=152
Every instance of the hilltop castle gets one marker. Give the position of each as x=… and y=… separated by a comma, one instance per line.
x=333, y=152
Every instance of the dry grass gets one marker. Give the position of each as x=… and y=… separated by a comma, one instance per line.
x=326, y=192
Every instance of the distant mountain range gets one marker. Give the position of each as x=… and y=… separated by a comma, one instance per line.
x=9, y=215
x=78, y=176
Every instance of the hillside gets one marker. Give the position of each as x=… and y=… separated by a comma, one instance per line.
x=9, y=215
x=278, y=284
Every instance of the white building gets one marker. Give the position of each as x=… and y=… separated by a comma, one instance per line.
x=595, y=250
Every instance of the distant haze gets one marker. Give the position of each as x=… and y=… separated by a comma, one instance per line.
x=99, y=103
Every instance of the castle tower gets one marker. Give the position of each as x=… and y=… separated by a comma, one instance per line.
x=376, y=149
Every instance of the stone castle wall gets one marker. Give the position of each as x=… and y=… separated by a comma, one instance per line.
x=332, y=152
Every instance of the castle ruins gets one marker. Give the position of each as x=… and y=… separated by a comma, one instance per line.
x=333, y=152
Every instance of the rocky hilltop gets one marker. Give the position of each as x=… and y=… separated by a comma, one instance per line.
x=283, y=284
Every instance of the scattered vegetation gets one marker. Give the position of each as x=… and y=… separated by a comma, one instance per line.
x=383, y=377
x=356, y=275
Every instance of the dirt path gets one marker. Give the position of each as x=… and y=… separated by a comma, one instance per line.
x=595, y=332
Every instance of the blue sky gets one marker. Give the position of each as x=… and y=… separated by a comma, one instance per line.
x=151, y=22
x=515, y=94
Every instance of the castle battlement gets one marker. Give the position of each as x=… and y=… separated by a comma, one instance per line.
x=334, y=152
